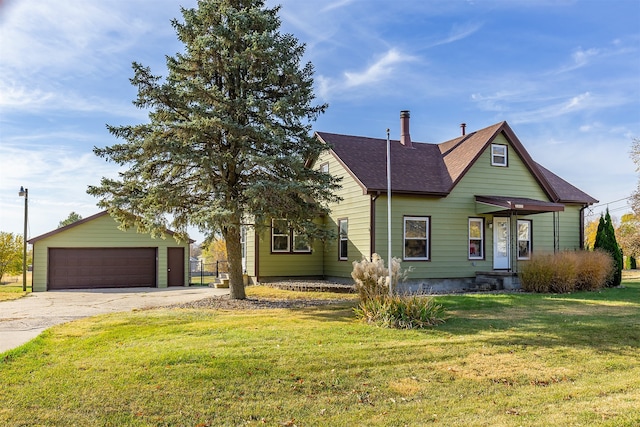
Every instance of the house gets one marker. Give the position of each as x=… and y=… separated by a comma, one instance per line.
x=95, y=253
x=465, y=211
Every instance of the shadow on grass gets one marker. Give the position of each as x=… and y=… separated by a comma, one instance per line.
x=608, y=321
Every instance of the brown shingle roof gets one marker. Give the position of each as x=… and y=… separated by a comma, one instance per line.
x=420, y=169
x=435, y=169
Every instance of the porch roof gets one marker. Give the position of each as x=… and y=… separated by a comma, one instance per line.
x=516, y=205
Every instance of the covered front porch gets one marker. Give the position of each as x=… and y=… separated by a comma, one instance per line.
x=512, y=234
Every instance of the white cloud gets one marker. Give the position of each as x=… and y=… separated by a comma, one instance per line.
x=379, y=71
x=582, y=57
x=459, y=32
x=16, y=98
x=56, y=175
x=336, y=5
x=54, y=36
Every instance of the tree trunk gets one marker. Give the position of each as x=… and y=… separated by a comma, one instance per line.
x=231, y=235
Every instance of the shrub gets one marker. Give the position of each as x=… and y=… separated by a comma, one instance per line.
x=537, y=274
x=401, y=312
x=372, y=277
x=566, y=271
x=594, y=270
x=392, y=311
x=606, y=240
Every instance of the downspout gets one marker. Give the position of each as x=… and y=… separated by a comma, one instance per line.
x=582, y=226
x=556, y=232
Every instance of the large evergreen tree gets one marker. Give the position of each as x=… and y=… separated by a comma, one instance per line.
x=73, y=217
x=606, y=240
x=229, y=134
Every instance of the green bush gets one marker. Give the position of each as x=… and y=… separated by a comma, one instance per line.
x=606, y=240
x=380, y=308
x=401, y=312
x=566, y=271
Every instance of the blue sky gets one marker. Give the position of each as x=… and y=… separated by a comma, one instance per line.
x=564, y=74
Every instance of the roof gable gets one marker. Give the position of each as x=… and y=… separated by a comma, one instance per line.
x=435, y=169
x=422, y=167
x=78, y=223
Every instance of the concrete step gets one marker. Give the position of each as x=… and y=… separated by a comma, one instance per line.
x=220, y=283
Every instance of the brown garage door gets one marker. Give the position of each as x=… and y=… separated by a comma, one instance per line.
x=82, y=268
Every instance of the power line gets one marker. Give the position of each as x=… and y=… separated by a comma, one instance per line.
x=610, y=203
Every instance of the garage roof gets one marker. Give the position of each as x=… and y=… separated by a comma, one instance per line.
x=77, y=223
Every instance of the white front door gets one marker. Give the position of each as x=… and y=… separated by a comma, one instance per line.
x=501, y=243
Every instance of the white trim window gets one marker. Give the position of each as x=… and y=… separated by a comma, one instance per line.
x=476, y=238
x=279, y=235
x=300, y=243
x=498, y=155
x=524, y=239
x=243, y=240
x=343, y=231
x=416, y=238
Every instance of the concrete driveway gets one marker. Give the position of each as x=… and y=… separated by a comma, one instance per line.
x=24, y=319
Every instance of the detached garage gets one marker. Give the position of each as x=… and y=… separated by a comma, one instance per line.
x=94, y=253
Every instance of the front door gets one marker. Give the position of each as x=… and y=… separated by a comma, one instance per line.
x=501, y=243
x=175, y=266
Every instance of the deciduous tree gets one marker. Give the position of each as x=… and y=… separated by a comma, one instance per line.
x=229, y=134
x=590, y=231
x=11, y=247
x=628, y=235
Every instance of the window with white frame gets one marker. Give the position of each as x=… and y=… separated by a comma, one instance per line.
x=416, y=238
x=524, y=239
x=476, y=238
x=300, y=243
x=279, y=235
x=324, y=168
x=285, y=240
x=243, y=240
x=498, y=155
x=343, y=231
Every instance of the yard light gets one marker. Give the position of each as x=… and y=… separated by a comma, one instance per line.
x=24, y=192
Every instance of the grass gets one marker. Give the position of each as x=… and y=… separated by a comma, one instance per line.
x=11, y=287
x=500, y=360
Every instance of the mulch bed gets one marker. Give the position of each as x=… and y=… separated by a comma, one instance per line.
x=225, y=303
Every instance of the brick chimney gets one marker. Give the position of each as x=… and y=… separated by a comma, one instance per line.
x=405, y=137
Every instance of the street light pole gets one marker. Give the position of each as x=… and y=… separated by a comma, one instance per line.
x=24, y=192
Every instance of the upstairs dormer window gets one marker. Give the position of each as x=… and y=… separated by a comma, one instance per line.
x=498, y=155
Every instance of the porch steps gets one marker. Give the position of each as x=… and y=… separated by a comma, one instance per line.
x=496, y=281
x=221, y=282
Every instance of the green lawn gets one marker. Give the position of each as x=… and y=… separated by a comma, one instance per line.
x=11, y=287
x=501, y=360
